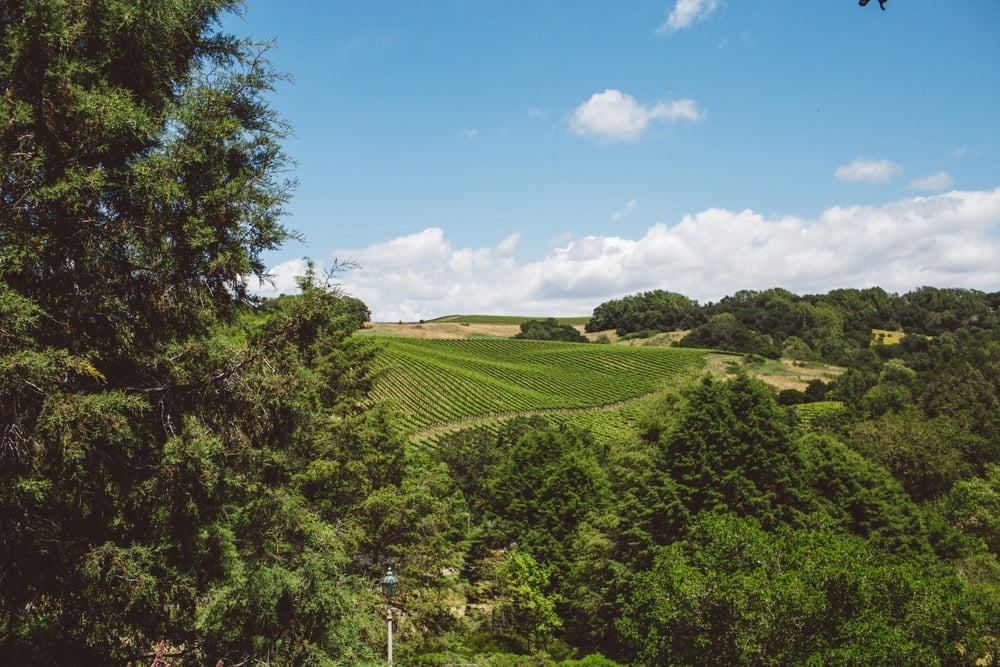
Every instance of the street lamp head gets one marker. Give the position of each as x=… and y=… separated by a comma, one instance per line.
x=389, y=584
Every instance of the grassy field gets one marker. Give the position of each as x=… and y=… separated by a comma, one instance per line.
x=886, y=337
x=463, y=371
x=440, y=385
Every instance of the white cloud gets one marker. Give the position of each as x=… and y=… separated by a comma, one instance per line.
x=470, y=133
x=943, y=240
x=625, y=210
x=868, y=171
x=615, y=116
x=280, y=279
x=939, y=180
x=686, y=13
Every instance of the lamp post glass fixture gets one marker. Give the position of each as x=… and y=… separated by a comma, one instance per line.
x=390, y=584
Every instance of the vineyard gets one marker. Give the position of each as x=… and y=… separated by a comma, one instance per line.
x=809, y=412
x=439, y=385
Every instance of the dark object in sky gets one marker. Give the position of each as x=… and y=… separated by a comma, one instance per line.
x=881, y=3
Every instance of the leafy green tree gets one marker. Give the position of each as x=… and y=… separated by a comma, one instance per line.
x=926, y=455
x=142, y=169
x=656, y=310
x=861, y=496
x=521, y=598
x=966, y=393
x=725, y=332
x=973, y=506
x=862, y=310
x=893, y=392
x=550, y=329
x=419, y=525
x=731, y=450
x=545, y=487
x=735, y=594
x=932, y=310
x=473, y=455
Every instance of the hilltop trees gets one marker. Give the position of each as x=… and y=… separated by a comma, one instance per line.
x=834, y=327
x=659, y=310
x=550, y=329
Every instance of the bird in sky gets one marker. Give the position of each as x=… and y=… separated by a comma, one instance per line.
x=881, y=3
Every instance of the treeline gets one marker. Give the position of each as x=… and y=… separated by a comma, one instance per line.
x=775, y=322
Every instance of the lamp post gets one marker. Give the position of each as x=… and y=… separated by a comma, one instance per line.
x=389, y=586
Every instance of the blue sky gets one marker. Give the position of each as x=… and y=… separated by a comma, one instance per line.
x=539, y=157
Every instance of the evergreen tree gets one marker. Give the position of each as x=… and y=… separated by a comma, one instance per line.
x=731, y=450
x=152, y=430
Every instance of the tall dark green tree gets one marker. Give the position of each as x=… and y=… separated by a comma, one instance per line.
x=732, y=450
x=546, y=486
x=149, y=433
x=142, y=168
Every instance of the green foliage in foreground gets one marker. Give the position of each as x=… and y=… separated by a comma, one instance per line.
x=436, y=382
x=732, y=593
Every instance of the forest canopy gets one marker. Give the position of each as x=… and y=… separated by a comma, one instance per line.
x=775, y=322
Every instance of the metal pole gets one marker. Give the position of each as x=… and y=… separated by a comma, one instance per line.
x=388, y=617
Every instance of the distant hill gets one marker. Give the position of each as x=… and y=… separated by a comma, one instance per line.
x=507, y=319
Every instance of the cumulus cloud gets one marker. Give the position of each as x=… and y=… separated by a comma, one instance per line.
x=625, y=210
x=615, y=116
x=939, y=180
x=686, y=13
x=943, y=240
x=868, y=171
x=280, y=279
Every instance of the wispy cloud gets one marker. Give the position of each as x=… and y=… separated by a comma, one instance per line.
x=625, y=210
x=945, y=239
x=868, y=171
x=470, y=132
x=615, y=116
x=686, y=13
x=939, y=180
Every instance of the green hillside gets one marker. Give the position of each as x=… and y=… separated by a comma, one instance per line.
x=438, y=385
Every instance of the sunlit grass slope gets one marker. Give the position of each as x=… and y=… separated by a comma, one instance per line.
x=438, y=385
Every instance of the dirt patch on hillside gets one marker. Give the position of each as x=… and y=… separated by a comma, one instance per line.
x=783, y=374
